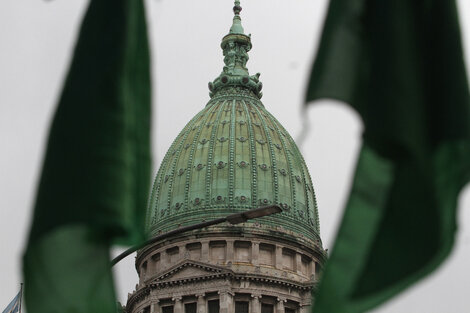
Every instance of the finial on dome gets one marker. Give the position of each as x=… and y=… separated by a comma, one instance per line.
x=237, y=27
x=237, y=8
x=235, y=73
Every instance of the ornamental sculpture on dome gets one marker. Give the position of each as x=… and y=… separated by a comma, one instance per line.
x=235, y=46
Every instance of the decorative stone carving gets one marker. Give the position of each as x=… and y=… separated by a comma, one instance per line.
x=226, y=301
x=280, y=305
x=264, y=167
x=221, y=164
x=201, y=303
x=178, y=308
x=242, y=199
x=255, y=303
x=154, y=305
x=243, y=164
x=230, y=55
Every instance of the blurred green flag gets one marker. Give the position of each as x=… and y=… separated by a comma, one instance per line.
x=400, y=65
x=95, y=178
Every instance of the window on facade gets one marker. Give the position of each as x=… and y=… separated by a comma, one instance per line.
x=243, y=251
x=289, y=310
x=288, y=259
x=317, y=271
x=143, y=271
x=306, y=263
x=190, y=307
x=266, y=254
x=167, y=309
x=217, y=251
x=156, y=261
x=173, y=255
x=213, y=306
x=146, y=310
x=194, y=250
x=267, y=308
x=241, y=306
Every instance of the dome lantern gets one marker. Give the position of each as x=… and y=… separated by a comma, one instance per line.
x=235, y=46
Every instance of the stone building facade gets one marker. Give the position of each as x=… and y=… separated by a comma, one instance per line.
x=231, y=157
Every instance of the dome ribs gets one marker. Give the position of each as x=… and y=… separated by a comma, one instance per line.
x=231, y=162
x=311, y=208
x=242, y=160
x=209, y=112
x=234, y=155
x=163, y=167
x=302, y=171
x=254, y=170
x=172, y=176
x=210, y=154
x=271, y=152
x=157, y=185
x=289, y=161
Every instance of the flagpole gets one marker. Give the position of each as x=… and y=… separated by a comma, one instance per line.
x=21, y=296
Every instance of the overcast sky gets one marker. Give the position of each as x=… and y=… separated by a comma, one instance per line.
x=36, y=41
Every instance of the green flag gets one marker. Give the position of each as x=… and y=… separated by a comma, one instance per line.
x=400, y=65
x=95, y=178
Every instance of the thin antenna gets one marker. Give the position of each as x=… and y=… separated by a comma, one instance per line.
x=21, y=295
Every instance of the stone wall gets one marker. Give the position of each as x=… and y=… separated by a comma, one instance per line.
x=225, y=273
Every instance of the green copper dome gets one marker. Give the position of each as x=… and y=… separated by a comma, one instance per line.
x=234, y=156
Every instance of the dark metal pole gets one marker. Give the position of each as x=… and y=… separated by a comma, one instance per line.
x=21, y=297
x=232, y=218
x=165, y=235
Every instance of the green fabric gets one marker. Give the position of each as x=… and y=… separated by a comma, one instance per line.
x=95, y=180
x=68, y=271
x=400, y=65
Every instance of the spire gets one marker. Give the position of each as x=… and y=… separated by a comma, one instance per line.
x=236, y=46
x=237, y=27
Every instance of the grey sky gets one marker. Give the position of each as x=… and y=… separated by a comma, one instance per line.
x=37, y=38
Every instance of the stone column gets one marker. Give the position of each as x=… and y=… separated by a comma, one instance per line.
x=201, y=303
x=256, y=304
x=225, y=301
x=178, y=308
x=155, y=306
x=230, y=252
x=154, y=302
x=280, y=305
x=182, y=252
x=298, y=263
x=279, y=257
x=255, y=253
x=313, y=270
x=153, y=267
x=205, y=251
x=164, y=262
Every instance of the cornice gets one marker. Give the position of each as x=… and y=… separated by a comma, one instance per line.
x=242, y=232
